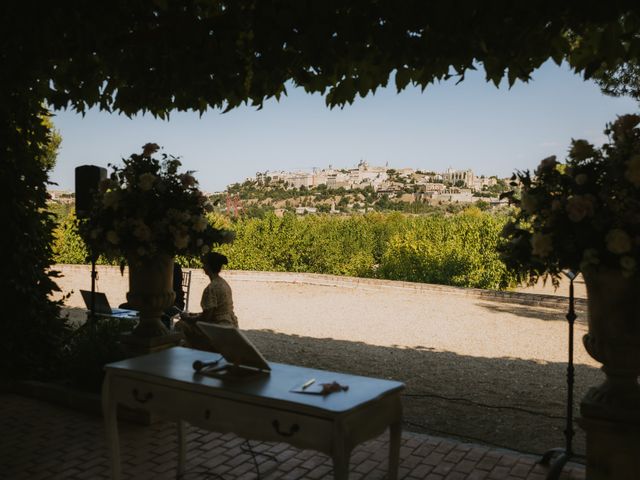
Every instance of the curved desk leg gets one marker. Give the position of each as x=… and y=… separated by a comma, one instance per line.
x=395, y=430
x=109, y=412
x=182, y=448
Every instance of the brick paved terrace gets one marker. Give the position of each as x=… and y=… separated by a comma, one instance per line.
x=41, y=440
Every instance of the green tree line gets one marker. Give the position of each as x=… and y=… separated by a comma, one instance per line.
x=457, y=249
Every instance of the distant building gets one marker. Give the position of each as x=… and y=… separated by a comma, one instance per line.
x=454, y=176
x=364, y=175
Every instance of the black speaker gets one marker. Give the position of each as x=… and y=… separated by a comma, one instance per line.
x=88, y=178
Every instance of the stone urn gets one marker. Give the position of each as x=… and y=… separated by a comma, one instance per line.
x=151, y=293
x=611, y=411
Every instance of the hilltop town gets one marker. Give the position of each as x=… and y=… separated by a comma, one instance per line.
x=350, y=190
x=360, y=189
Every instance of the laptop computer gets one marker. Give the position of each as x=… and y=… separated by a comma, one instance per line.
x=102, y=306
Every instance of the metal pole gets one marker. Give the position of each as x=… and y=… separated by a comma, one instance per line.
x=565, y=454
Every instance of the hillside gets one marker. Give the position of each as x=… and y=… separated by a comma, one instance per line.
x=254, y=198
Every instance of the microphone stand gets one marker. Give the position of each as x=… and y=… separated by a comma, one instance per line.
x=564, y=454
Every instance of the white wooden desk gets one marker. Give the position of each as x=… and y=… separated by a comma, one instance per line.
x=260, y=407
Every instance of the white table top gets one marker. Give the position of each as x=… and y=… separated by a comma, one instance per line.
x=174, y=366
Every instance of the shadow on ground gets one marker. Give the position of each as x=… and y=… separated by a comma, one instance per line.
x=506, y=402
x=538, y=313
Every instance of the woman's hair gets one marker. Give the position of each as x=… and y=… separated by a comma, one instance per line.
x=214, y=261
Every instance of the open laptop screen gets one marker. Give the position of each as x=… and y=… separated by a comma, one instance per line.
x=102, y=306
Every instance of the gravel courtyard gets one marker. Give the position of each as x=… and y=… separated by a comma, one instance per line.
x=475, y=368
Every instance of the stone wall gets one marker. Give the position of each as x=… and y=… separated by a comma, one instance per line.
x=115, y=286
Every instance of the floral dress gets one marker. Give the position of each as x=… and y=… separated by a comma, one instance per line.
x=217, y=297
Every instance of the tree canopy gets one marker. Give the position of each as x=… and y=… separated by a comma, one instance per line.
x=159, y=55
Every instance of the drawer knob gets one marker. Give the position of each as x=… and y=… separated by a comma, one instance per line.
x=294, y=428
x=141, y=398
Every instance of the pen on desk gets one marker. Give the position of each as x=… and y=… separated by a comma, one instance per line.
x=308, y=383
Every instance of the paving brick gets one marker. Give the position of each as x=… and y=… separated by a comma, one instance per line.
x=465, y=466
x=364, y=467
x=444, y=468
x=499, y=473
x=421, y=471
x=521, y=470
x=49, y=442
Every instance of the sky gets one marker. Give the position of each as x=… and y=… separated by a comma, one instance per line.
x=493, y=131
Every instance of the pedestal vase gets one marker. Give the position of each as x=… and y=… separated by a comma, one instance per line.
x=151, y=293
x=611, y=411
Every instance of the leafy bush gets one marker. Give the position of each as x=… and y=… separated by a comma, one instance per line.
x=453, y=249
x=459, y=250
x=68, y=246
x=89, y=347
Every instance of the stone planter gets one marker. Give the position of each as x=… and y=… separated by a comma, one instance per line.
x=614, y=341
x=151, y=293
x=611, y=411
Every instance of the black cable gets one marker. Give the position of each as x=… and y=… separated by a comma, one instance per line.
x=483, y=405
x=246, y=446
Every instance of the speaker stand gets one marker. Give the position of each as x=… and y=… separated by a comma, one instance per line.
x=94, y=275
x=562, y=455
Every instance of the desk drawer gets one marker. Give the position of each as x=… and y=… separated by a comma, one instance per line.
x=249, y=420
x=265, y=423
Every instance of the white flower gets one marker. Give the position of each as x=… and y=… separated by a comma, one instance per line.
x=181, y=241
x=105, y=185
x=628, y=263
x=542, y=244
x=142, y=232
x=618, y=241
x=578, y=207
x=633, y=170
x=111, y=199
x=528, y=202
x=187, y=180
x=146, y=181
x=589, y=257
x=556, y=205
x=581, y=178
x=113, y=237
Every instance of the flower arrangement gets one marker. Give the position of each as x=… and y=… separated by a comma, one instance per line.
x=580, y=215
x=147, y=208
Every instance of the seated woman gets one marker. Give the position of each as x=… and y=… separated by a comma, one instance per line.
x=216, y=303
